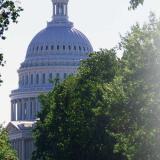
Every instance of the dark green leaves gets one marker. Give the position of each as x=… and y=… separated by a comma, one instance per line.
x=9, y=11
x=110, y=109
x=135, y=3
x=6, y=152
x=73, y=121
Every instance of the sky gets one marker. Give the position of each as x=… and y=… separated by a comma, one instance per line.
x=102, y=21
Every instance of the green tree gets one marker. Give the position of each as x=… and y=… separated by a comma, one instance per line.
x=110, y=109
x=135, y=3
x=9, y=12
x=6, y=151
x=135, y=118
x=72, y=124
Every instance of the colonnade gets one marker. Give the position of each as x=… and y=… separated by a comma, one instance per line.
x=24, y=148
x=24, y=109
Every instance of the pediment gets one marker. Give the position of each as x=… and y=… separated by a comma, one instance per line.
x=11, y=128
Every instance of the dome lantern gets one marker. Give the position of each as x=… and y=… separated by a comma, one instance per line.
x=60, y=13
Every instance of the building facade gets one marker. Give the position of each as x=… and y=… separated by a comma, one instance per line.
x=55, y=52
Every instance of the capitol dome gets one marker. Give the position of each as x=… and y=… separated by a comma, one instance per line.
x=56, y=43
x=54, y=53
x=59, y=41
x=68, y=39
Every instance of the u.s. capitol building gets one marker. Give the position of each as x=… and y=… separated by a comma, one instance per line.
x=55, y=52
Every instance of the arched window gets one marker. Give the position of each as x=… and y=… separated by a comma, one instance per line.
x=25, y=111
x=23, y=80
x=41, y=48
x=52, y=47
x=50, y=76
x=74, y=47
x=37, y=79
x=37, y=48
x=57, y=47
x=43, y=78
x=26, y=79
x=80, y=48
x=31, y=78
x=57, y=75
x=46, y=47
x=69, y=47
x=64, y=47
x=84, y=49
x=65, y=75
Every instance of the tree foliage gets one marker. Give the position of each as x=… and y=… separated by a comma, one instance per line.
x=139, y=129
x=135, y=3
x=110, y=109
x=70, y=126
x=9, y=12
x=6, y=151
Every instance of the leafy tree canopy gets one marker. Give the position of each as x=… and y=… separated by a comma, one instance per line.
x=6, y=151
x=110, y=109
x=70, y=126
x=135, y=3
x=9, y=12
x=138, y=118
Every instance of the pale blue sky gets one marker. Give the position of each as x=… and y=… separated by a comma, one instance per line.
x=101, y=20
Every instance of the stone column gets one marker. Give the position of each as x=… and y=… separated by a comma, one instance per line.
x=28, y=109
x=37, y=106
x=18, y=110
x=23, y=109
x=31, y=108
x=34, y=109
x=12, y=111
x=18, y=147
x=23, y=149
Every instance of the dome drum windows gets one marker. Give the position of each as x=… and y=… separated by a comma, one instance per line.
x=31, y=79
x=37, y=78
x=50, y=76
x=65, y=75
x=57, y=75
x=58, y=47
x=22, y=80
x=43, y=78
x=26, y=80
x=52, y=47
